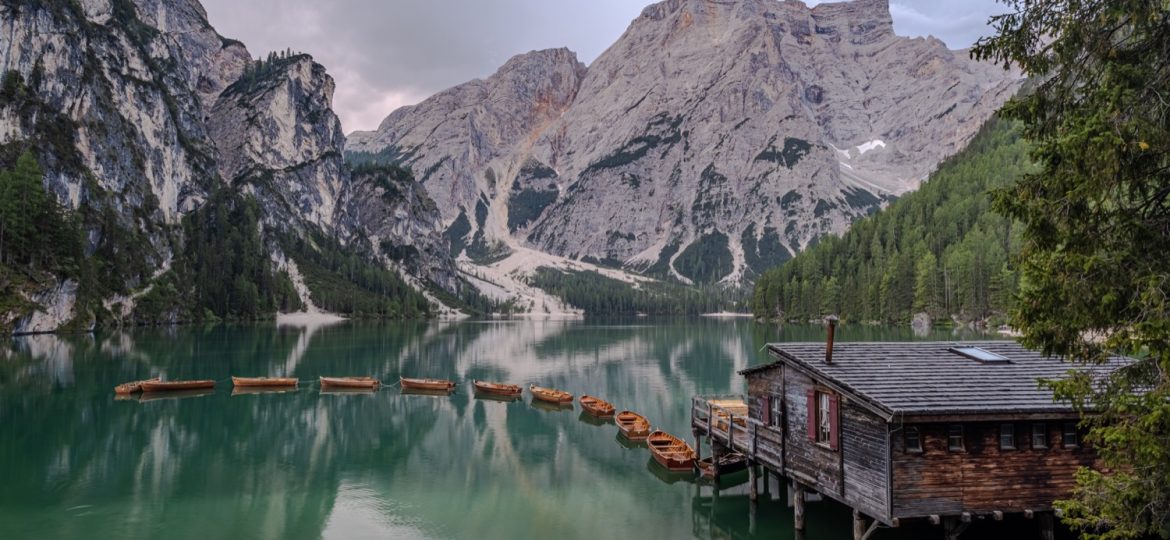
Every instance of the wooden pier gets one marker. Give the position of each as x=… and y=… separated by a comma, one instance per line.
x=938, y=433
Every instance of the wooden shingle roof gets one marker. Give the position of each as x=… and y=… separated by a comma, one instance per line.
x=927, y=378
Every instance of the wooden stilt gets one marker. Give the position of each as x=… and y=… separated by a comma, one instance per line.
x=863, y=528
x=1047, y=527
x=698, y=446
x=752, y=518
x=954, y=527
x=752, y=491
x=767, y=482
x=798, y=506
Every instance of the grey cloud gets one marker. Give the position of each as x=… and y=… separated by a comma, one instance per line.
x=958, y=23
x=385, y=54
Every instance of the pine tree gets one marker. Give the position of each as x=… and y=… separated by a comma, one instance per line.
x=1096, y=236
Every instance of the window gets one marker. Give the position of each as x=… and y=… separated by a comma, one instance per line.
x=1039, y=435
x=824, y=420
x=1069, y=436
x=913, y=439
x=1007, y=436
x=955, y=438
x=777, y=410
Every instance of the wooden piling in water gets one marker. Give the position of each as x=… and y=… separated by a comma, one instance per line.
x=752, y=490
x=752, y=517
x=798, y=506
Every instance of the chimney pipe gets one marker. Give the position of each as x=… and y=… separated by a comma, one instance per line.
x=832, y=320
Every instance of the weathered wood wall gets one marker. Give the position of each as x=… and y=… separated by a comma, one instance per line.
x=769, y=437
x=865, y=451
x=857, y=473
x=983, y=478
x=807, y=460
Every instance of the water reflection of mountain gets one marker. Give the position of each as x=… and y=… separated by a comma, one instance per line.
x=303, y=465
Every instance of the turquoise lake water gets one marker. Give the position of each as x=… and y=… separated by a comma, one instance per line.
x=77, y=463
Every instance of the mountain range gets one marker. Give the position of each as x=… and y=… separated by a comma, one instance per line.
x=712, y=141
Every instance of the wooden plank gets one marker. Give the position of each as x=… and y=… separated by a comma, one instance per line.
x=983, y=479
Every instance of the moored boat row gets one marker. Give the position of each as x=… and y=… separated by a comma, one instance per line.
x=670, y=452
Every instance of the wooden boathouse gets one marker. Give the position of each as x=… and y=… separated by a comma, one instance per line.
x=942, y=432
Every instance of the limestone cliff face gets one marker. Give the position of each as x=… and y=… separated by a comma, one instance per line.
x=465, y=142
x=387, y=207
x=118, y=94
x=711, y=141
x=280, y=137
x=138, y=110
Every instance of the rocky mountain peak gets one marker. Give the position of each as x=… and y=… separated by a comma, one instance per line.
x=859, y=22
x=275, y=129
x=484, y=122
x=141, y=115
x=714, y=139
x=546, y=57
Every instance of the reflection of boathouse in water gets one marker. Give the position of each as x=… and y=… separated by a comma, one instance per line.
x=906, y=433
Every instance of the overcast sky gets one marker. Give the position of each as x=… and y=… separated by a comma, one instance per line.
x=385, y=54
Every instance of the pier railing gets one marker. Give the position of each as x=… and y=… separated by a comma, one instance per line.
x=734, y=428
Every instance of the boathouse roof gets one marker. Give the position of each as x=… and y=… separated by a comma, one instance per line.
x=936, y=379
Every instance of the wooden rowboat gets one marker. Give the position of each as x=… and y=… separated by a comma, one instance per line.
x=264, y=382
x=349, y=382
x=633, y=426
x=441, y=385
x=166, y=386
x=550, y=395
x=133, y=387
x=728, y=463
x=671, y=452
x=597, y=406
x=496, y=389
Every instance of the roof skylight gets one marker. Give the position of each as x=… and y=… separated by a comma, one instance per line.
x=980, y=355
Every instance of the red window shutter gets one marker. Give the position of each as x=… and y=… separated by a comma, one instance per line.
x=765, y=403
x=812, y=414
x=834, y=427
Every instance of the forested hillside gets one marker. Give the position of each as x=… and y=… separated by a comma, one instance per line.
x=939, y=250
x=600, y=295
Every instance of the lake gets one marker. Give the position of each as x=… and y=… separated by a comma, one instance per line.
x=77, y=463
